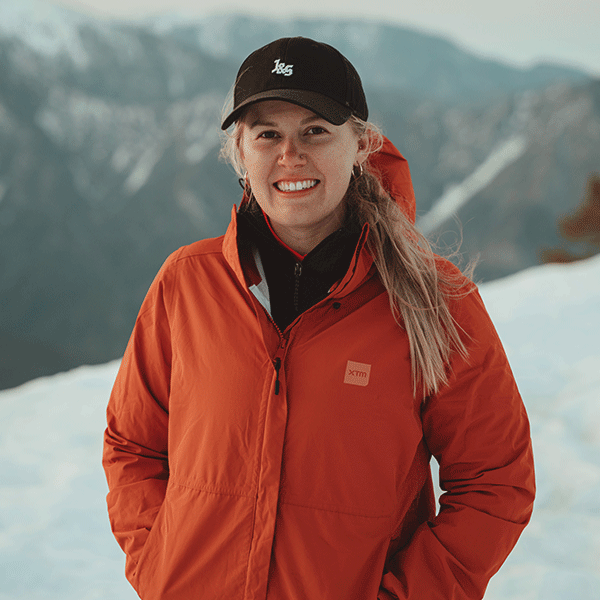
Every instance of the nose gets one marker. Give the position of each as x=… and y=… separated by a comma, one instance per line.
x=291, y=155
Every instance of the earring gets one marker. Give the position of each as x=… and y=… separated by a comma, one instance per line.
x=245, y=184
x=358, y=174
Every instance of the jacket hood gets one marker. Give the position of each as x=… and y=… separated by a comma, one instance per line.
x=394, y=174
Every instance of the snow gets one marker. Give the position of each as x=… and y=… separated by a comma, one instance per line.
x=144, y=167
x=55, y=540
x=549, y=321
x=55, y=31
x=453, y=198
x=47, y=29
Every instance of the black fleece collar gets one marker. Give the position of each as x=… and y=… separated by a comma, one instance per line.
x=295, y=286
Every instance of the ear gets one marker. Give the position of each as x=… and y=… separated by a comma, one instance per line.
x=363, y=149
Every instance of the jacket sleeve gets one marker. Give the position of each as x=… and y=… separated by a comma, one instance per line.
x=135, y=442
x=478, y=431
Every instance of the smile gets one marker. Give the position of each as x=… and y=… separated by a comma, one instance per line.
x=295, y=186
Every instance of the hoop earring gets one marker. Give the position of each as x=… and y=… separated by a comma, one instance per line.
x=245, y=185
x=358, y=174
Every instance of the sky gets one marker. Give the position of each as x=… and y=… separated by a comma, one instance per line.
x=521, y=32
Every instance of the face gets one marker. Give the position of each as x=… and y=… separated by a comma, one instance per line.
x=299, y=166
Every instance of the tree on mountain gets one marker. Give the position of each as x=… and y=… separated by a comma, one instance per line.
x=581, y=227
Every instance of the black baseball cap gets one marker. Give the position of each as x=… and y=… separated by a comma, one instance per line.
x=304, y=72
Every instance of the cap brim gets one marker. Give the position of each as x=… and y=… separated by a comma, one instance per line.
x=332, y=111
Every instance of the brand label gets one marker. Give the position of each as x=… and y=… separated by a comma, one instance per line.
x=357, y=373
x=282, y=68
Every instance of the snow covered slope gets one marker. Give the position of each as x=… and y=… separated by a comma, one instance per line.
x=549, y=321
x=55, y=541
x=48, y=29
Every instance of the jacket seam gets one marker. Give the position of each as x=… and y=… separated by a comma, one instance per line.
x=215, y=491
x=337, y=511
x=197, y=254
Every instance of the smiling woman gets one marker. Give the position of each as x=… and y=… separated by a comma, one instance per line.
x=299, y=168
x=286, y=385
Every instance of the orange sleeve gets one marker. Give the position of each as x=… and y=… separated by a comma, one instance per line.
x=478, y=431
x=135, y=442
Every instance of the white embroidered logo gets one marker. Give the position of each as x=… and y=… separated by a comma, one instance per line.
x=357, y=373
x=282, y=68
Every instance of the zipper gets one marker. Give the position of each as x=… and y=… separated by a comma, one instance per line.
x=277, y=365
x=277, y=360
x=297, y=273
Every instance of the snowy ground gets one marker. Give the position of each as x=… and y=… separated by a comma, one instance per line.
x=55, y=542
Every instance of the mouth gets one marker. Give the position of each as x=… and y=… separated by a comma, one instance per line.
x=295, y=186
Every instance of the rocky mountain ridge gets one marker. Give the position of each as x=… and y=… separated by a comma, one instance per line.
x=108, y=158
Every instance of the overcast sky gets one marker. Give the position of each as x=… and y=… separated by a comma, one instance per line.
x=518, y=31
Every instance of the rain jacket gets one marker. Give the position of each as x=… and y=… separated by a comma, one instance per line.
x=245, y=462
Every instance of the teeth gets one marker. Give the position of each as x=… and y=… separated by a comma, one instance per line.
x=295, y=186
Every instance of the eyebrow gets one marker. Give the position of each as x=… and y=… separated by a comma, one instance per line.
x=261, y=123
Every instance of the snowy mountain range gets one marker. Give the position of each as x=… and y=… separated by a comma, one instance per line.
x=55, y=540
x=108, y=158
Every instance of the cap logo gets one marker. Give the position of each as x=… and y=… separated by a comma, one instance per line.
x=282, y=68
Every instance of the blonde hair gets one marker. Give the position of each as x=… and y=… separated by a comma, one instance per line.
x=419, y=289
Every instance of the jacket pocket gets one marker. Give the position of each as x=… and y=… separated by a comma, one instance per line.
x=145, y=569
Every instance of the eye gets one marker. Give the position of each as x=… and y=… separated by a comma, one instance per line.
x=267, y=135
x=317, y=130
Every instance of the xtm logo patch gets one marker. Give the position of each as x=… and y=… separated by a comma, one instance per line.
x=357, y=373
x=282, y=68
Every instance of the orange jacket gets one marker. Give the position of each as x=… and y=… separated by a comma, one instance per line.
x=245, y=463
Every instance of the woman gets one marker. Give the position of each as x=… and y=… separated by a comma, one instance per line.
x=271, y=426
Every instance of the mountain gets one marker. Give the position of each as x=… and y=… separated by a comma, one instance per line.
x=389, y=58
x=507, y=203
x=109, y=143
x=57, y=543
x=102, y=173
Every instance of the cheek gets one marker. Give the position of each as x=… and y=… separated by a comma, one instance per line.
x=251, y=161
x=341, y=188
x=247, y=155
x=340, y=159
x=341, y=172
x=256, y=173
x=243, y=152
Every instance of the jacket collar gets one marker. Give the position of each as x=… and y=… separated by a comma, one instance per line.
x=360, y=267
x=230, y=248
x=360, y=264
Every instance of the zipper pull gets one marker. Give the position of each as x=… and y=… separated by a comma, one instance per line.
x=277, y=365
